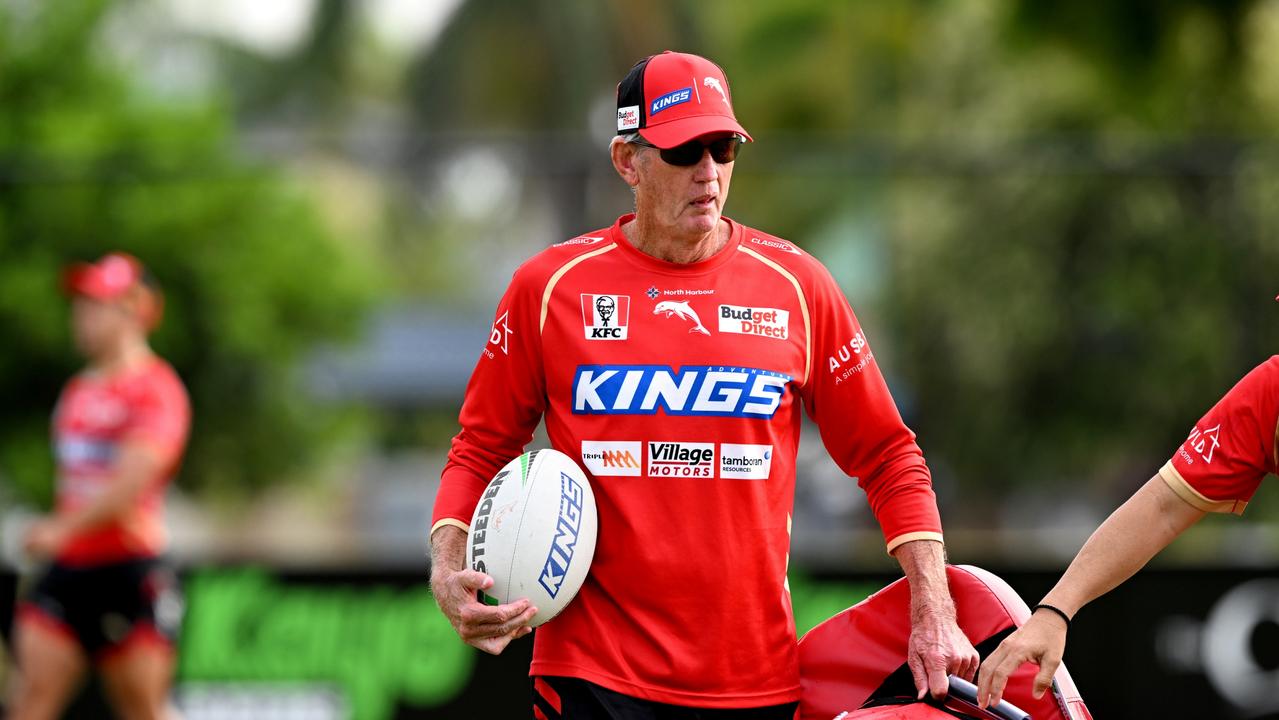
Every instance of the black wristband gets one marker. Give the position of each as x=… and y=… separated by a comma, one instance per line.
x=1059, y=611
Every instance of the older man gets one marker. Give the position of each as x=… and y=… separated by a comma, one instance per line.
x=671, y=353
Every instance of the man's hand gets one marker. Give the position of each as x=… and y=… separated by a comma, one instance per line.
x=45, y=538
x=1042, y=640
x=489, y=628
x=937, y=646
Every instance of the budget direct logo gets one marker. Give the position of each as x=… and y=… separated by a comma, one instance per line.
x=713, y=391
x=605, y=317
x=670, y=99
x=764, y=322
x=615, y=459
x=745, y=462
x=566, y=530
x=628, y=117
x=681, y=460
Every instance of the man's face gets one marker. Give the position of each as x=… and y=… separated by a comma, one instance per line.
x=95, y=324
x=686, y=201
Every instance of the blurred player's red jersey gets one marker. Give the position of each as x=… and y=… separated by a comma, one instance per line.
x=94, y=416
x=678, y=388
x=1232, y=448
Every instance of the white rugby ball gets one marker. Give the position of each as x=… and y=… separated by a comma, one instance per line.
x=534, y=532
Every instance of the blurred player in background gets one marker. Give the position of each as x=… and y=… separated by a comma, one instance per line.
x=1217, y=469
x=107, y=599
x=673, y=354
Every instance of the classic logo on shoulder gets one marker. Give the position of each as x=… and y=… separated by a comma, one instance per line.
x=560, y=556
x=582, y=240
x=606, y=317
x=776, y=245
x=681, y=460
x=684, y=311
x=670, y=99
x=764, y=322
x=617, y=459
x=713, y=391
x=745, y=462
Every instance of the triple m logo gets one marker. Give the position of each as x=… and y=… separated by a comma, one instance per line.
x=605, y=317
x=611, y=458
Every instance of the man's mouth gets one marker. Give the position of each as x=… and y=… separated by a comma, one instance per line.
x=703, y=202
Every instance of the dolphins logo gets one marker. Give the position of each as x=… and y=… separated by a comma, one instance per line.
x=711, y=82
x=683, y=311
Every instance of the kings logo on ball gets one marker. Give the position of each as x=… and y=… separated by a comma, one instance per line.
x=566, y=531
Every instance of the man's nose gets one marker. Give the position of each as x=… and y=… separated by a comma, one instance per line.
x=705, y=169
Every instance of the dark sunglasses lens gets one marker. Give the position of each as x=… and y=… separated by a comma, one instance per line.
x=690, y=153
x=723, y=151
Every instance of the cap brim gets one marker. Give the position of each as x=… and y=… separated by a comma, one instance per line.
x=86, y=280
x=677, y=132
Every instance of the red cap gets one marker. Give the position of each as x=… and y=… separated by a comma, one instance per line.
x=107, y=279
x=673, y=97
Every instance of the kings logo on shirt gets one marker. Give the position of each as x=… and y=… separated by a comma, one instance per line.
x=605, y=317
x=712, y=391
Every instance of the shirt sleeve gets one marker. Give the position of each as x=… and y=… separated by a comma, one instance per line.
x=1220, y=465
x=860, y=426
x=159, y=416
x=504, y=402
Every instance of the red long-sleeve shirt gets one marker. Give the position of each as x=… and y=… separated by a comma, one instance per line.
x=678, y=386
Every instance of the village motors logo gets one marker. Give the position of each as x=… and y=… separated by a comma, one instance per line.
x=606, y=317
x=618, y=459
x=681, y=460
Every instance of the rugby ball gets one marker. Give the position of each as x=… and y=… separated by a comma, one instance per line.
x=534, y=532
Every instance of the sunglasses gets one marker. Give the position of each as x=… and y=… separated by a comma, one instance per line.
x=723, y=150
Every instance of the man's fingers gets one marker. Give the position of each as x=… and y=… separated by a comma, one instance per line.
x=1044, y=678
x=474, y=580
x=917, y=672
x=938, y=683
x=994, y=675
x=488, y=617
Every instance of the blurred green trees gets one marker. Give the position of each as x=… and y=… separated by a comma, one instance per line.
x=91, y=161
x=1055, y=221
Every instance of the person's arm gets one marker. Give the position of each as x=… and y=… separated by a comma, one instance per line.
x=504, y=401
x=937, y=645
x=138, y=464
x=1151, y=519
x=847, y=397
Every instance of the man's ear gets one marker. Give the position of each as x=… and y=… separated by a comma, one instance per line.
x=625, y=160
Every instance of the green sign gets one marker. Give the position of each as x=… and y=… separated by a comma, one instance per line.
x=375, y=643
